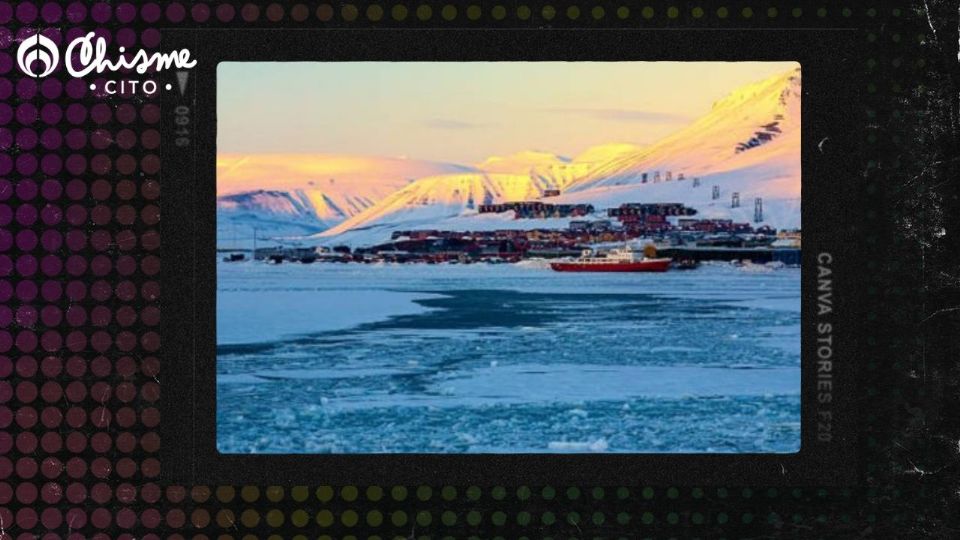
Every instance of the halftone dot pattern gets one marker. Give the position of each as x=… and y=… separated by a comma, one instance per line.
x=80, y=285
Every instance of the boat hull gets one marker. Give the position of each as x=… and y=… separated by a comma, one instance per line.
x=651, y=265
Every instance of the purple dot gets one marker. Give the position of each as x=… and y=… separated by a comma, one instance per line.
x=26, y=88
x=200, y=12
x=150, y=12
x=76, y=215
x=51, y=164
x=150, y=38
x=26, y=139
x=27, y=316
x=51, y=291
x=76, y=265
x=6, y=239
x=6, y=139
x=126, y=12
x=51, y=139
x=26, y=164
x=26, y=113
x=51, y=12
x=6, y=163
x=51, y=190
x=74, y=33
x=6, y=88
x=51, y=88
x=6, y=12
x=27, y=265
x=101, y=12
x=51, y=113
x=104, y=34
x=26, y=190
x=6, y=63
x=76, y=164
x=51, y=265
x=26, y=291
x=51, y=240
x=6, y=37
x=76, y=139
x=6, y=214
x=126, y=113
x=100, y=113
x=176, y=12
x=76, y=189
x=27, y=240
x=76, y=12
x=26, y=12
x=76, y=113
x=6, y=113
x=126, y=37
x=100, y=139
x=26, y=214
x=225, y=12
x=76, y=88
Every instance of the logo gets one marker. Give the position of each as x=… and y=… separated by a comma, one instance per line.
x=87, y=55
x=38, y=49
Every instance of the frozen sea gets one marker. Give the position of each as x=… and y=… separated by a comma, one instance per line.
x=349, y=358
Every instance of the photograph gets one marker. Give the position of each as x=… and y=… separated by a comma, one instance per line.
x=508, y=257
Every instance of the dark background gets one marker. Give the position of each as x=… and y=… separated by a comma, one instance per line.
x=82, y=378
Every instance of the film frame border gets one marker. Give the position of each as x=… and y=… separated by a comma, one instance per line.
x=825, y=105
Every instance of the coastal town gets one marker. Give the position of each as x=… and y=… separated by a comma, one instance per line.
x=673, y=228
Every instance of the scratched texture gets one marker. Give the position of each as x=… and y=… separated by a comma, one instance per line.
x=81, y=360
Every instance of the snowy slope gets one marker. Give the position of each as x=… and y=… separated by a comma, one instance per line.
x=541, y=167
x=604, y=153
x=309, y=192
x=270, y=212
x=748, y=143
x=430, y=200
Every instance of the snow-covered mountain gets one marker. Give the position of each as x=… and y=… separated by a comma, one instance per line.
x=758, y=124
x=749, y=143
x=308, y=193
x=435, y=198
x=541, y=167
x=522, y=176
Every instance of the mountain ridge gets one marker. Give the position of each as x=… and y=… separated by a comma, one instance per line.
x=748, y=143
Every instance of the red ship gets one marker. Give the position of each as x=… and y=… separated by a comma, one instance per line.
x=618, y=260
